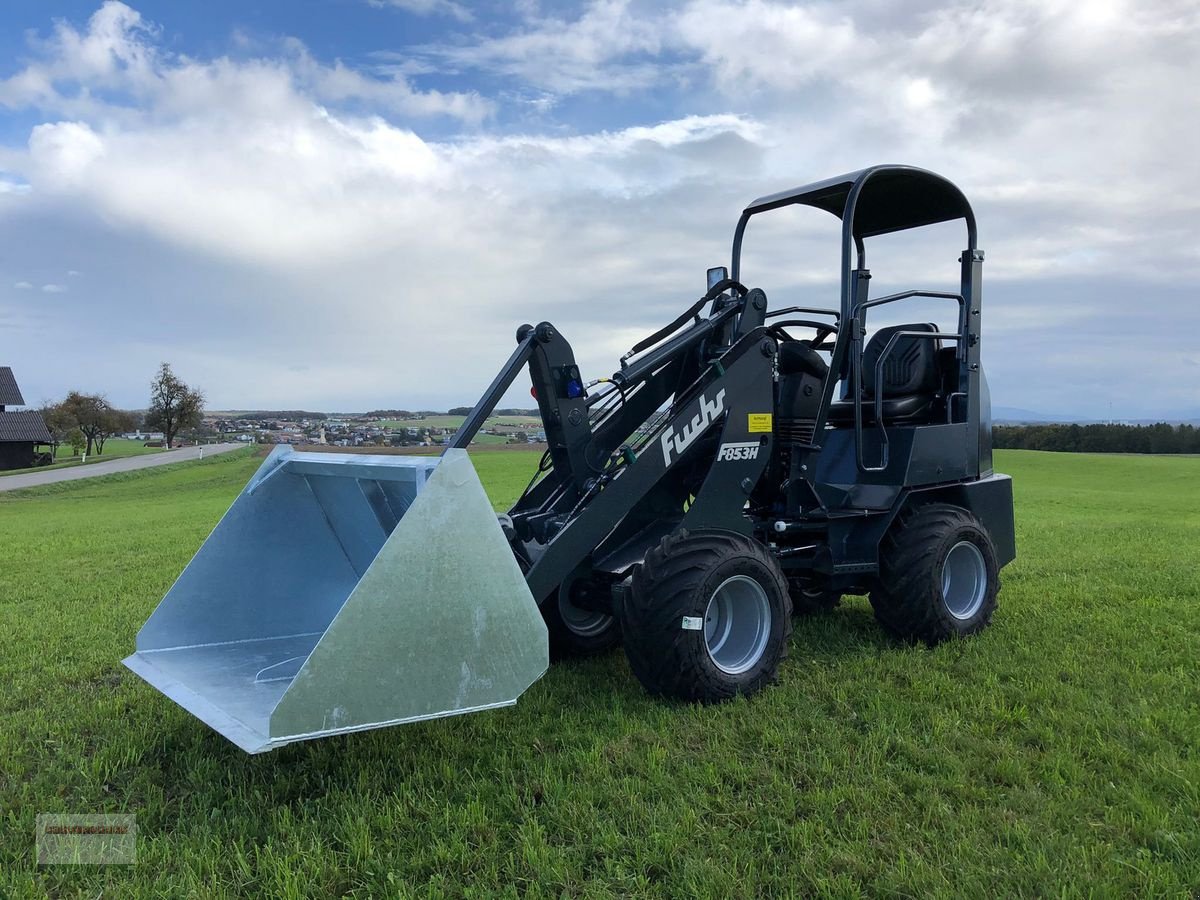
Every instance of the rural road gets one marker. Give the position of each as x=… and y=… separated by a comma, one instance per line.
x=127, y=464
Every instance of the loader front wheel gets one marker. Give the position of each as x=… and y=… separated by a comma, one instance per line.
x=574, y=629
x=938, y=576
x=708, y=617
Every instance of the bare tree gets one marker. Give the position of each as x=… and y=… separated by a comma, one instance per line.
x=174, y=406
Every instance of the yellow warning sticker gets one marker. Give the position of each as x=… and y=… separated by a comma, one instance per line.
x=759, y=422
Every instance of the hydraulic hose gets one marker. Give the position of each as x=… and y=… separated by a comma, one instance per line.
x=713, y=292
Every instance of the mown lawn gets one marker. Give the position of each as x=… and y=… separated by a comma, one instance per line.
x=448, y=421
x=1054, y=755
x=114, y=448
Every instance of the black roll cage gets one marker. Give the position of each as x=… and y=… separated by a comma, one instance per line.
x=870, y=202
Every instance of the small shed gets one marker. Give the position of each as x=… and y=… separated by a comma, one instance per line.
x=21, y=431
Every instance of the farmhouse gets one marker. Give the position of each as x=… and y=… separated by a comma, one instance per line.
x=21, y=431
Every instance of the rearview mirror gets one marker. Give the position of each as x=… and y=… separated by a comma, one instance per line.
x=716, y=276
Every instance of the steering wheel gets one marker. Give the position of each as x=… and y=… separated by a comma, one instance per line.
x=822, y=329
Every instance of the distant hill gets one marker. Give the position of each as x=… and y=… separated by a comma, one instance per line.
x=454, y=411
x=1016, y=415
x=1013, y=415
x=289, y=414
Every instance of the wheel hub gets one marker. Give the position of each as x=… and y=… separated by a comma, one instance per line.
x=580, y=621
x=737, y=624
x=964, y=580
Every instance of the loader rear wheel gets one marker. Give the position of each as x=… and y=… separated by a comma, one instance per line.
x=708, y=617
x=938, y=576
x=574, y=629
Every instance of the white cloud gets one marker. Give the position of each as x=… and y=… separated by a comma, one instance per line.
x=337, y=237
x=429, y=8
x=758, y=43
x=613, y=46
x=337, y=83
x=114, y=53
x=23, y=286
x=608, y=47
x=64, y=153
x=54, y=288
x=112, y=69
x=246, y=216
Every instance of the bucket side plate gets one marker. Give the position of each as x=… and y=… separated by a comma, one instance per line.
x=442, y=623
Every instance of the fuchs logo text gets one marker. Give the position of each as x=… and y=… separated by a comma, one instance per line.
x=706, y=416
x=748, y=450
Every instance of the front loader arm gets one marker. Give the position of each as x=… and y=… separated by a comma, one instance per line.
x=732, y=399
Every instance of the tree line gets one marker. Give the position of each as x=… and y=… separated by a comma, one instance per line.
x=294, y=415
x=1158, y=438
x=87, y=421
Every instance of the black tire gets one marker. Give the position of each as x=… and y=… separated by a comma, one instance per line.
x=809, y=599
x=910, y=602
x=574, y=631
x=677, y=581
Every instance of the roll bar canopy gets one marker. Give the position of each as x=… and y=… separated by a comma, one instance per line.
x=870, y=202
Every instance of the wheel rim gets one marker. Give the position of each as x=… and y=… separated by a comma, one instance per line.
x=964, y=580
x=579, y=621
x=737, y=624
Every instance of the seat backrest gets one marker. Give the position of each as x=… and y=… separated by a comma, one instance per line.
x=911, y=367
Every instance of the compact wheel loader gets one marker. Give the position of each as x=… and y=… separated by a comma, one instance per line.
x=744, y=464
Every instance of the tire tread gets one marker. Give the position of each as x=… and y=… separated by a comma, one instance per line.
x=904, y=601
x=662, y=655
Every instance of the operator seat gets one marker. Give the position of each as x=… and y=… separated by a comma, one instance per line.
x=911, y=378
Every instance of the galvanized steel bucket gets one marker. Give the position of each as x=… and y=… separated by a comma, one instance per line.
x=344, y=592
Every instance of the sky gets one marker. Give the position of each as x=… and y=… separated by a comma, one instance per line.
x=352, y=204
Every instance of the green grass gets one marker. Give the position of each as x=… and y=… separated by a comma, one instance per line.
x=114, y=448
x=456, y=421
x=482, y=438
x=1056, y=754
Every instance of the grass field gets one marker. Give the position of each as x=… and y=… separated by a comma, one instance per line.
x=455, y=421
x=114, y=448
x=1056, y=754
x=482, y=438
